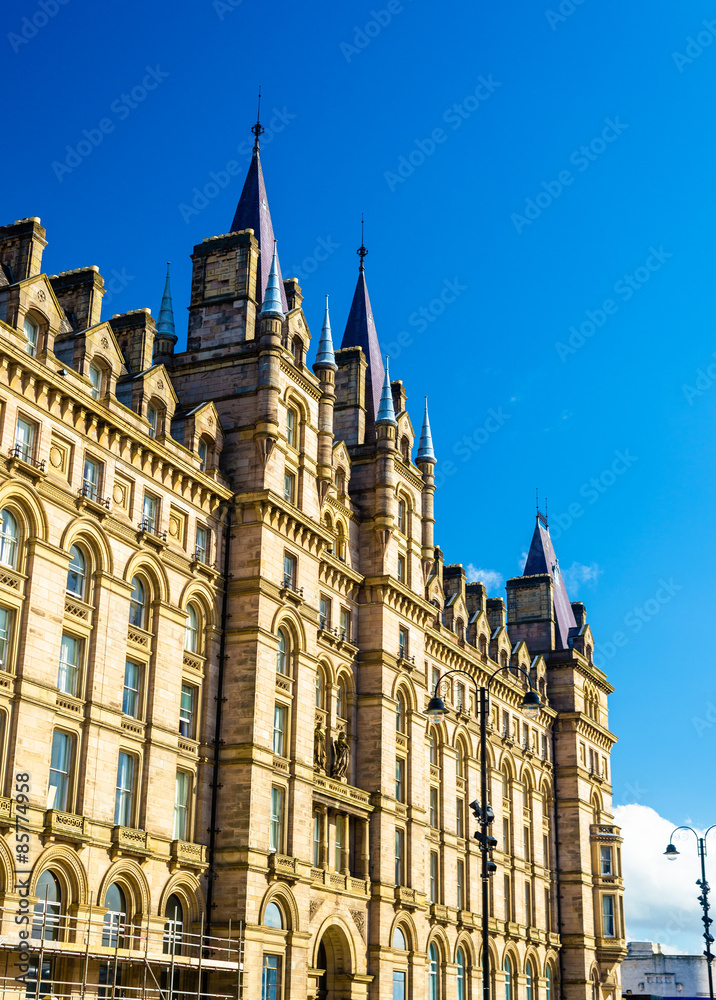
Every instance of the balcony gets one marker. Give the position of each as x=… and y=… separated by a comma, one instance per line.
x=188, y=855
x=338, y=882
x=22, y=458
x=65, y=826
x=148, y=531
x=127, y=840
x=284, y=866
x=411, y=899
x=88, y=498
x=289, y=590
x=6, y=811
x=337, y=790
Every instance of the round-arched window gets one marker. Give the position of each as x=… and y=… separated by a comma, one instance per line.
x=95, y=377
x=115, y=919
x=548, y=984
x=460, y=974
x=46, y=916
x=398, y=939
x=174, y=926
x=77, y=573
x=529, y=982
x=508, y=979
x=341, y=700
x=203, y=452
x=9, y=537
x=31, y=329
x=433, y=983
x=273, y=917
x=191, y=630
x=282, y=652
x=138, y=604
x=400, y=714
x=319, y=688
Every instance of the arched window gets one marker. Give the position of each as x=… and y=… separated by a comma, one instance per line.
x=77, y=573
x=191, y=630
x=340, y=541
x=483, y=645
x=503, y=658
x=292, y=427
x=95, y=377
x=174, y=926
x=508, y=979
x=341, y=700
x=46, y=917
x=282, y=652
x=297, y=350
x=203, y=451
x=31, y=329
x=9, y=538
x=401, y=516
x=115, y=919
x=548, y=984
x=320, y=690
x=341, y=483
x=460, y=974
x=460, y=759
x=405, y=449
x=400, y=714
x=138, y=604
x=433, y=747
x=433, y=981
x=273, y=917
x=399, y=939
x=529, y=982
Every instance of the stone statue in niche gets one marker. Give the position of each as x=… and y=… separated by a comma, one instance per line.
x=319, y=747
x=341, y=752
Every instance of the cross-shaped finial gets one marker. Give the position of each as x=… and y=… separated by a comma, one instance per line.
x=361, y=251
x=258, y=128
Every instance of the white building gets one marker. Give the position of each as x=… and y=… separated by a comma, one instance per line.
x=647, y=971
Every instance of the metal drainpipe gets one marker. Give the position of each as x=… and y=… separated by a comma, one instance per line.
x=556, y=859
x=217, y=725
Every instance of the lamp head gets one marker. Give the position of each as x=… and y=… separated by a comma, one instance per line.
x=671, y=852
x=531, y=704
x=436, y=709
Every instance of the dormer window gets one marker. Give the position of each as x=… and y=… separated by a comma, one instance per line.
x=297, y=350
x=95, y=377
x=32, y=331
x=203, y=452
x=153, y=418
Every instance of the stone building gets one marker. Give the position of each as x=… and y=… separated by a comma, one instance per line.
x=647, y=971
x=222, y=614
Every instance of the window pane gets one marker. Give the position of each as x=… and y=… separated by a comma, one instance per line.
x=95, y=377
x=30, y=330
x=137, y=604
x=90, y=479
x=130, y=694
x=68, y=673
x=191, y=630
x=25, y=439
x=271, y=978
x=76, y=573
x=276, y=821
x=149, y=512
x=8, y=540
x=279, y=725
x=186, y=711
x=181, y=805
x=202, y=543
x=5, y=627
x=124, y=800
x=398, y=985
x=60, y=761
x=281, y=653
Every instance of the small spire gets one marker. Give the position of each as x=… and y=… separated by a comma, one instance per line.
x=258, y=129
x=361, y=251
x=386, y=412
x=165, y=320
x=272, y=300
x=325, y=357
x=425, y=450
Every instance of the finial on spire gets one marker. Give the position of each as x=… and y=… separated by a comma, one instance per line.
x=386, y=410
x=425, y=449
x=540, y=516
x=325, y=358
x=258, y=128
x=361, y=251
x=272, y=304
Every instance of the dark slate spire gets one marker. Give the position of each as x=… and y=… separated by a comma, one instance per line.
x=360, y=332
x=165, y=321
x=542, y=559
x=252, y=212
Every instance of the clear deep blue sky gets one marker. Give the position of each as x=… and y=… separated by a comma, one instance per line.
x=346, y=116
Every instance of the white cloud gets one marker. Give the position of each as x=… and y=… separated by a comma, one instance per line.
x=490, y=577
x=660, y=899
x=577, y=574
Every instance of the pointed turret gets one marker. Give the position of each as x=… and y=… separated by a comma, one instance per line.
x=360, y=332
x=165, y=337
x=325, y=355
x=425, y=450
x=273, y=305
x=386, y=411
x=252, y=212
x=541, y=559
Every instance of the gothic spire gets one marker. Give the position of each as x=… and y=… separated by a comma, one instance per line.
x=165, y=320
x=272, y=300
x=425, y=449
x=252, y=212
x=386, y=411
x=360, y=332
x=325, y=356
x=541, y=558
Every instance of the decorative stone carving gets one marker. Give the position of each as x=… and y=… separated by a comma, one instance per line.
x=319, y=747
x=313, y=907
x=359, y=921
x=341, y=755
x=105, y=343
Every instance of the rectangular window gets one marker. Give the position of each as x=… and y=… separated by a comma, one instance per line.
x=201, y=553
x=90, y=478
x=150, y=512
x=506, y=835
x=276, y=822
x=433, y=807
x=433, y=877
x=25, y=439
x=130, y=694
x=5, y=633
x=608, y=926
x=460, y=817
x=403, y=640
x=398, y=985
x=545, y=850
x=279, y=729
x=289, y=483
x=400, y=779
x=289, y=570
x=508, y=898
x=69, y=670
x=547, y=911
x=31, y=984
x=346, y=624
x=525, y=735
x=605, y=861
x=340, y=839
x=153, y=418
x=325, y=612
x=182, y=790
x=401, y=516
x=527, y=843
x=505, y=724
x=544, y=747
x=434, y=679
x=605, y=772
x=317, y=823
x=401, y=569
x=124, y=800
x=186, y=711
x=528, y=904
x=271, y=978
x=31, y=330
x=58, y=790
x=399, y=857
x=460, y=697
x=291, y=427
x=460, y=879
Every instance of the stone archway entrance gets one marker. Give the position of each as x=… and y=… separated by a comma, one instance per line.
x=334, y=979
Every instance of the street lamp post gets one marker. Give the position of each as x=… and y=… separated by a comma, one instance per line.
x=672, y=854
x=483, y=810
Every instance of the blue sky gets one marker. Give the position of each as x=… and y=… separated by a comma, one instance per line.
x=543, y=171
